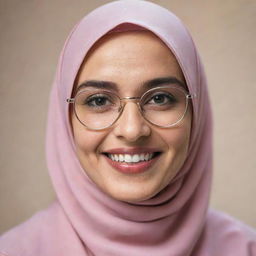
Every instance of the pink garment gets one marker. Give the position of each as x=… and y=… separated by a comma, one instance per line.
x=84, y=220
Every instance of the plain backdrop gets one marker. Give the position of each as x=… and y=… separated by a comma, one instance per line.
x=32, y=35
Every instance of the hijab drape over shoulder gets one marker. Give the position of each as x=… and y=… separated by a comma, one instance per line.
x=86, y=221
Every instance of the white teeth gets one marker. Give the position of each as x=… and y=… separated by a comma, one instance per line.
x=121, y=158
x=135, y=158
x=131, y=158
x=127, y=158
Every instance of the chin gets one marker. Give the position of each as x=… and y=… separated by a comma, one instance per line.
x=132, y=195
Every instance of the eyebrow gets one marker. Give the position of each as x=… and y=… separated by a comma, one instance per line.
x=99, y=84
x=163, y=80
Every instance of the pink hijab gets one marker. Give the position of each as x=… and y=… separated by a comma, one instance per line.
x=84, y=220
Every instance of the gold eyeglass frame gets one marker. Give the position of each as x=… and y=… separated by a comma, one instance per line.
x=138, y=101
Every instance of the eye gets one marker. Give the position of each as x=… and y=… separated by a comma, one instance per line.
x=97, y=100
x=162, y=98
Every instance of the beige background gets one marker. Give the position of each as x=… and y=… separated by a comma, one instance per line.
x=32, y=35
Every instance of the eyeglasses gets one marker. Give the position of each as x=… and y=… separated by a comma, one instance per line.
x=98, y=109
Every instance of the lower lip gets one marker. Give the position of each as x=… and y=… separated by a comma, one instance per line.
x=132, y=168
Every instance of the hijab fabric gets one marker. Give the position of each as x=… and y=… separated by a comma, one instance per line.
x=86, y=220
x=169, y=223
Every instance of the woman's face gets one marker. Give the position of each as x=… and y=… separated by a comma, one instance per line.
x=130, y=60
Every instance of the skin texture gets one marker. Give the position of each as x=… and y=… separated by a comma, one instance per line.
x=129, y=59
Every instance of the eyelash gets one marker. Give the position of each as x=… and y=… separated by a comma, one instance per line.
x=92, y=100
x=94, y=97
x=170, y=97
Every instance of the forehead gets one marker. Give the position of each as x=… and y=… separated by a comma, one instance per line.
x=134, y=56
x=129, y=45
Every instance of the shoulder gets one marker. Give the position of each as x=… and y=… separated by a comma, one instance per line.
x=16, y=241
x=225, y=235
x=223, y=220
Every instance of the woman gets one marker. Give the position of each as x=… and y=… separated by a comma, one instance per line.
x=129, y=145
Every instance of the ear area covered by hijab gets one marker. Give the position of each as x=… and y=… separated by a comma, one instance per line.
x=84, y=220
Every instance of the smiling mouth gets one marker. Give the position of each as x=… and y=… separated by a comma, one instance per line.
x=132, y=158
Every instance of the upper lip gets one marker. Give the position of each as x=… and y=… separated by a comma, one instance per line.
x=139, y=150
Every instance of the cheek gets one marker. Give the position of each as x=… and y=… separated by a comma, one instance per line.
x=179, y=137
x=182, y=135
x=177, y=141
x=87, y=142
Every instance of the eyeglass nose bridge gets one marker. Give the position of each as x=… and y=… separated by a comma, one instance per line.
x=130, y=98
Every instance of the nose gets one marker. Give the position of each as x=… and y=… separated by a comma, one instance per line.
x=131, y=125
